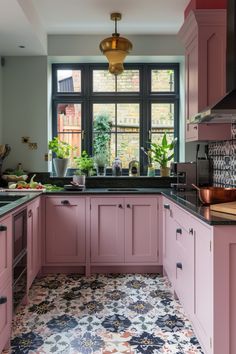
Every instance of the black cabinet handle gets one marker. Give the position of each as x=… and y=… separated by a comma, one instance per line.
x=179, y=265
x=65, y=202
x=166, y=206
x=30, y=213
x=3, y=300
x=120, y=206
x=128, y=206
x=3, y=228
x=191, y=231
x=179, y=231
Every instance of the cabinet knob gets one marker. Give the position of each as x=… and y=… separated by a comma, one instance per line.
x=65, y=202
x=3, y=228
x=120, y=206
x=30, y=213
x=166, y=206
x=195, y=127
x=179, y=265
x=179, y=231
x=128, y=206
x=3, y=300
x=190, y=231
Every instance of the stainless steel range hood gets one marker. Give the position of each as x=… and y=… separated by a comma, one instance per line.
x=224, y=111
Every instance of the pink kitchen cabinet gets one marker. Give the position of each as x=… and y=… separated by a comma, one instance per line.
x=204, y=37
x=5, y=280
x=65, y=230
x=124, y=230
x=33, y=240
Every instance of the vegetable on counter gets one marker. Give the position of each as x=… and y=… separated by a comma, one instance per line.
x=34, y=185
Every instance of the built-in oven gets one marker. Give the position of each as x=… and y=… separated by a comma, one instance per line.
x=19, y=257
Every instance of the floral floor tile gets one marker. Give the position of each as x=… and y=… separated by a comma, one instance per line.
x=103, y=314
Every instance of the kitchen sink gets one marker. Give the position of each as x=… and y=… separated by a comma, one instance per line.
x=120, y=189
x=10, y=198
x=2, y=204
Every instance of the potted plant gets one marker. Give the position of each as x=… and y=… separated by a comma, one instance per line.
x=84, y=164
x=100, y=162
x=62, y=151
x=163, y=153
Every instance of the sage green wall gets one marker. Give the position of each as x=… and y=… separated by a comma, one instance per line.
x=25, y=110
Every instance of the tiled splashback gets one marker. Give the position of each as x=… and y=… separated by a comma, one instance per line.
x=223, y=154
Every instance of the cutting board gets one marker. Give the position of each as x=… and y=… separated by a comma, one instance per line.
x=229, y=208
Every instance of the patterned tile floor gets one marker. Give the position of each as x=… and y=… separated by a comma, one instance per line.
x=103, y=314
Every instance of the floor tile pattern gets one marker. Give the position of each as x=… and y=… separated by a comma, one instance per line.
x=103, y=314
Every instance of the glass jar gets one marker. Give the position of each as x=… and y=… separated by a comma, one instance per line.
x=117, y=167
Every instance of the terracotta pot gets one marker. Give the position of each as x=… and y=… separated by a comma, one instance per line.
x=165, y=171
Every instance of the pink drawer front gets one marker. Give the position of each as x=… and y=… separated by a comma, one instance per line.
x=5, y=315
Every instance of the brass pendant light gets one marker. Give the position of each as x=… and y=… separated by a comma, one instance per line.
x=115, y=48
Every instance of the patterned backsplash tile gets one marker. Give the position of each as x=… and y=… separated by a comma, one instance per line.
x=223, y=155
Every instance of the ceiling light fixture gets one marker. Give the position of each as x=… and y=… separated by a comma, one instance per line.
x=115, y=48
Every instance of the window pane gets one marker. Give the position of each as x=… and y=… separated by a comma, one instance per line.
x=68, y=81
x=162, y=115
x=69, y=126
x=128, y=147
x=128, y=81
x=127, y=115
x=162, y=81
x=103, y=81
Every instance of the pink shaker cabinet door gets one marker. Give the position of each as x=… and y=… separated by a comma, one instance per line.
x=34, y=240
x=107, y=230
x=5, y=314
x=141, y=230
x=5, y=250
x=65, y=230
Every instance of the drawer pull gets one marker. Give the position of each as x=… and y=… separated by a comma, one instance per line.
x=65, y=202
x=190, y=231
x=195, y=127
x=120, y=206
x=3, y=228
x=166, y=206
x=3, y=300
x=128, y=206
x=179, y=265
x=30, y=213
x=179, y=231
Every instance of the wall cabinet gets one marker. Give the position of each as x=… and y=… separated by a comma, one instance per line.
x=33, y=240
x=124, y=230
x=5, y=280
x=204, y=36
x=65, y=230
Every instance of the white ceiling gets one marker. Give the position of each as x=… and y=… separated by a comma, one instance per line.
x=27, y=22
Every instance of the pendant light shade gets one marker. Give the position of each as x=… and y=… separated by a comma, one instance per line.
x=115, y=48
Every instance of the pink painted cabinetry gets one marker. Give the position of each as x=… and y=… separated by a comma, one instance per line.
x=65, y=230
x=124, y=230
x=5, y=281
x=33, y=240
x=204, y=37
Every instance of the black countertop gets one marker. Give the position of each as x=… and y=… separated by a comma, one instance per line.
x=187, y=200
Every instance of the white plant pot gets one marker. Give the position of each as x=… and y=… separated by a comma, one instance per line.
x=60, y=166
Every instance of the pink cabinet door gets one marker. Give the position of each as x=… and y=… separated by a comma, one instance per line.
x=65, y=230
x=34, y=240
x=5, y=250
x=107, y=230
x=169, y=236
x=203, y=291
x=141, y=230
x=184, y=284
x=5, y=314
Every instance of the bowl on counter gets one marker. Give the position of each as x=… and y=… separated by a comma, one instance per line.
x=215, y=195
x=14, y=178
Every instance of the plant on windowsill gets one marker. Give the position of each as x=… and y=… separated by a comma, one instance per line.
x=63, y=151
x=163, y=153
x=84, y=164
x=100, y=162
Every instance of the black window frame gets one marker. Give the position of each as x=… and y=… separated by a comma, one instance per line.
x=145, y=97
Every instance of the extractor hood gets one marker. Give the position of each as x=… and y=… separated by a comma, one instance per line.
x=224, y=111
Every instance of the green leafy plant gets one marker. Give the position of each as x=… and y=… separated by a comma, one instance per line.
x=102, y=134
x=164, y=152
x=84, y=164
x=100, y=159
x=61, y=149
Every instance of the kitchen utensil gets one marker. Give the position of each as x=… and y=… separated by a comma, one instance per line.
x=229, y=208
x=214, y=195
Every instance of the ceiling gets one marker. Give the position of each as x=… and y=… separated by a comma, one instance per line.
x=28, y=22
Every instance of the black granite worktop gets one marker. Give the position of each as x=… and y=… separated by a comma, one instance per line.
x=12, y=205
x=187, y=200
